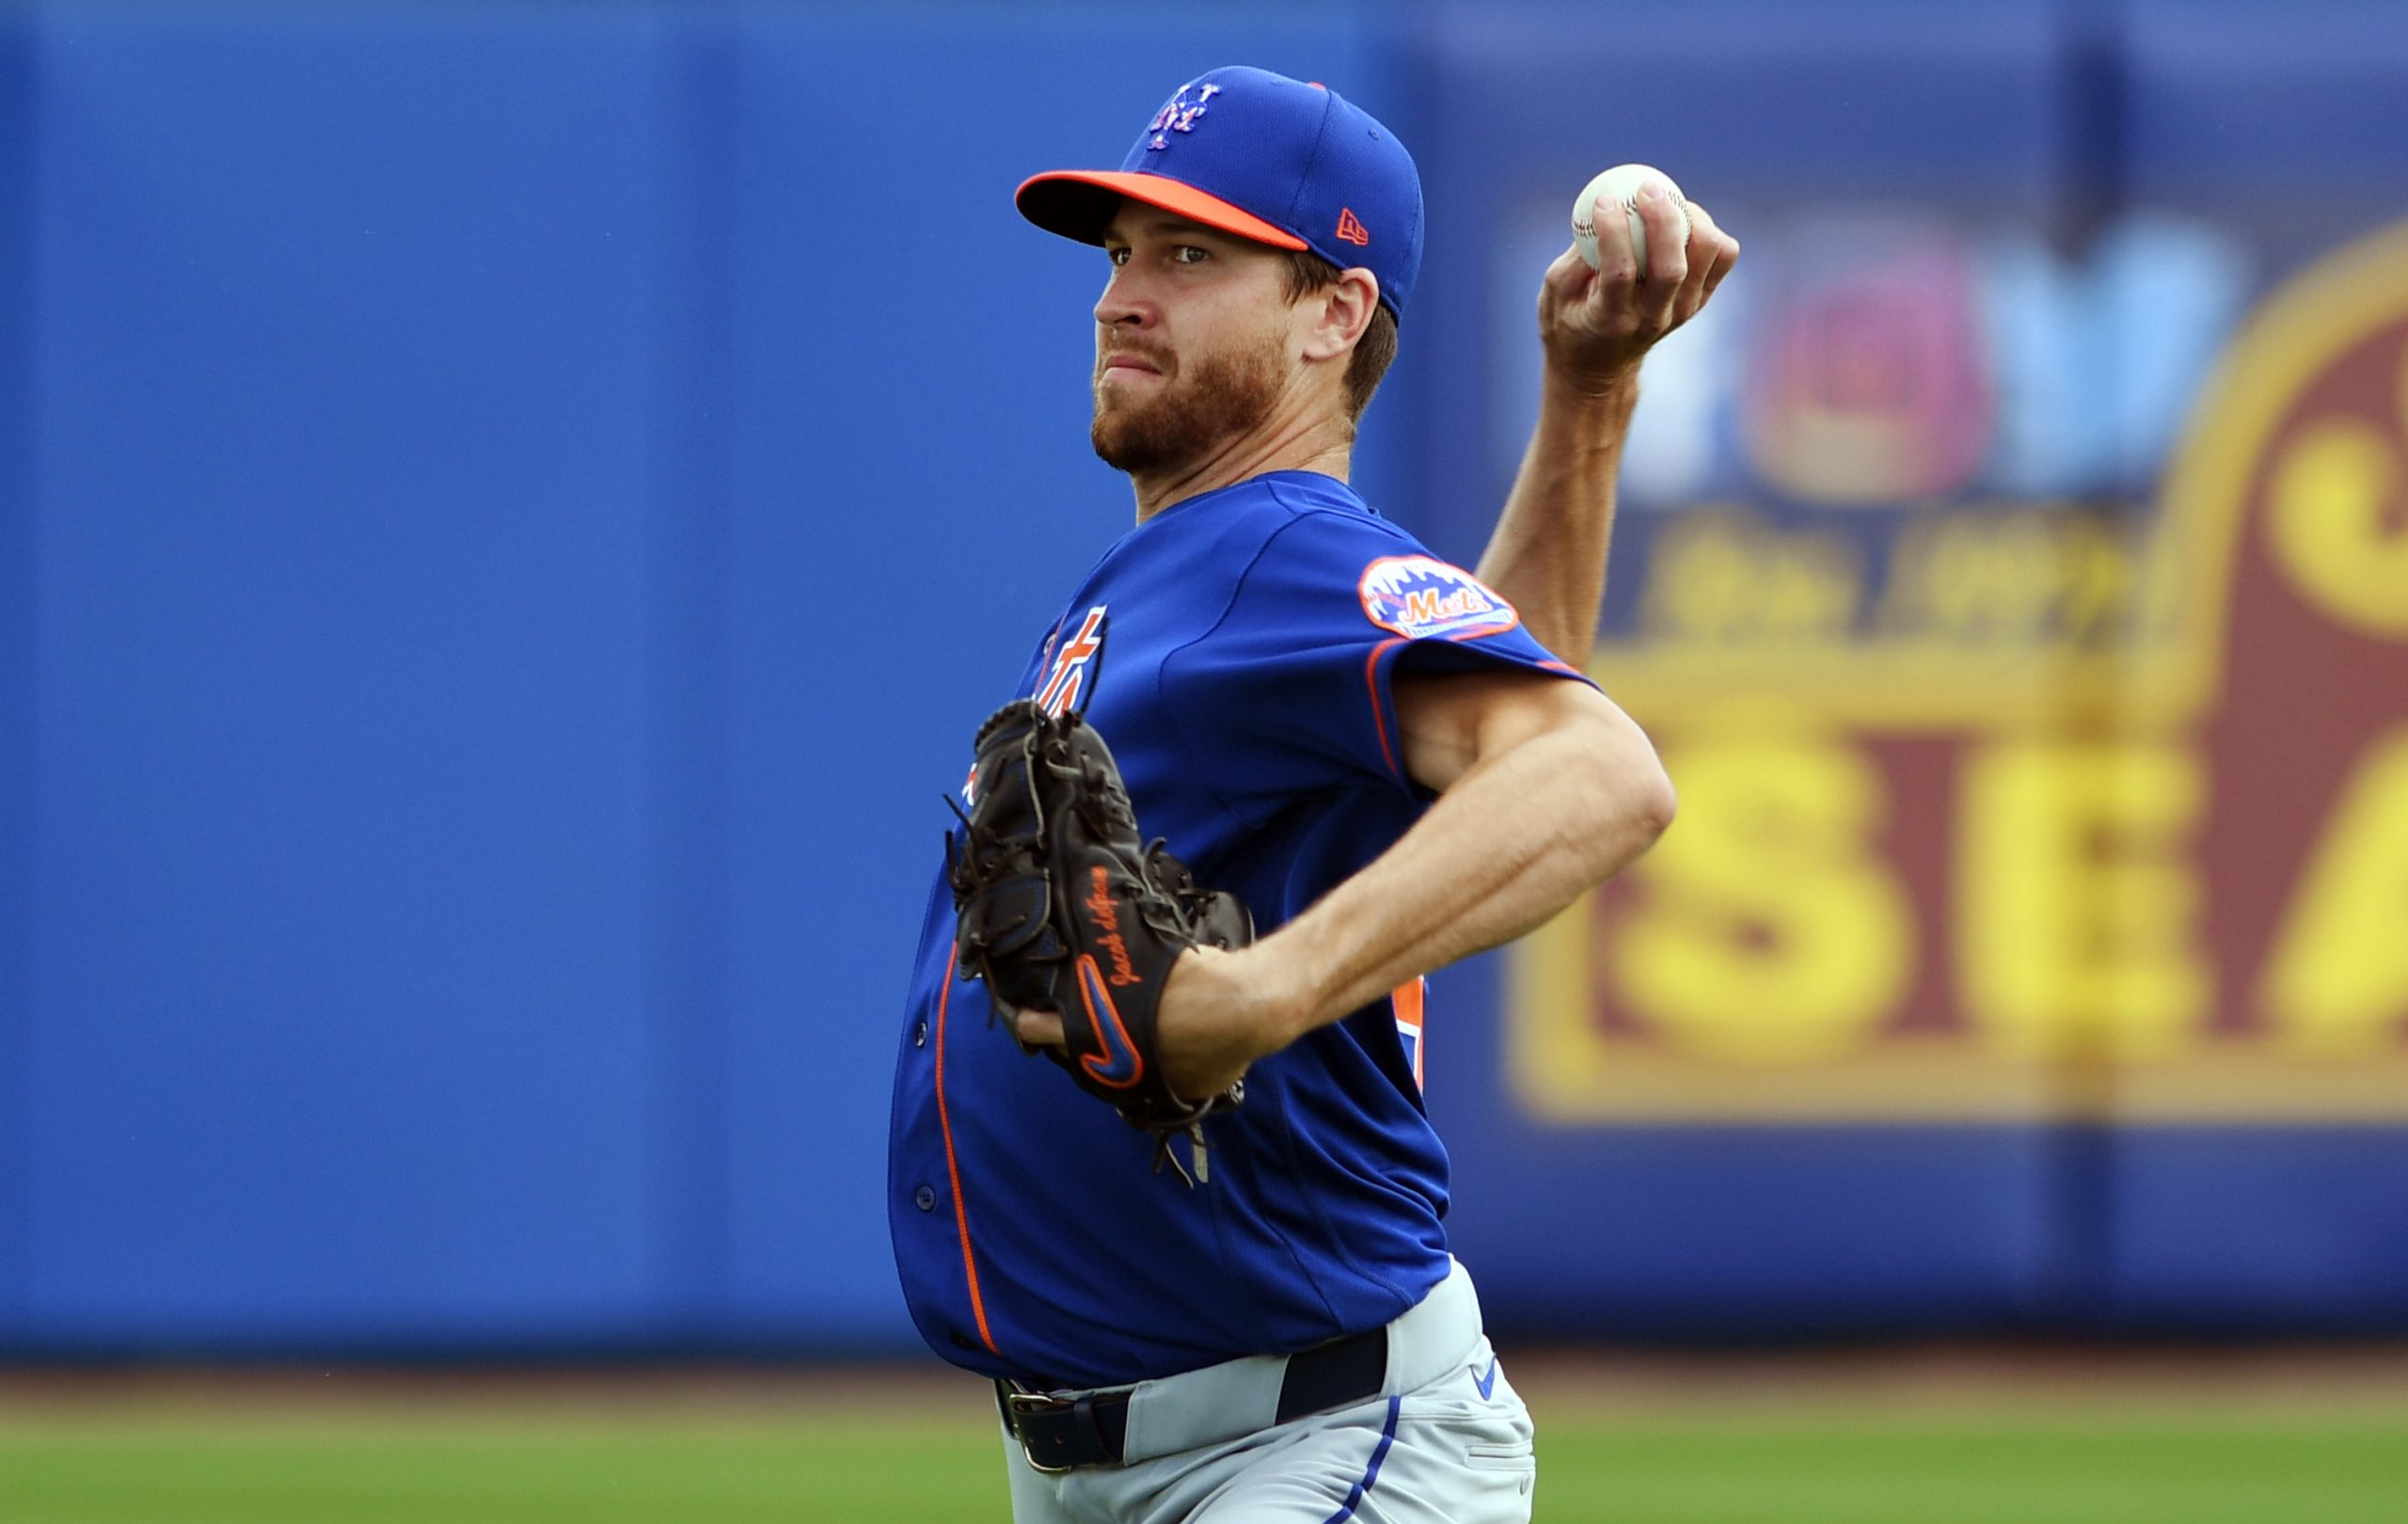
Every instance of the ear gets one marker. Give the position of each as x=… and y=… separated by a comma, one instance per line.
x=1336, y=316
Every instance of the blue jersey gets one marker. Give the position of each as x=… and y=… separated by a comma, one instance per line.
x=1235, y=651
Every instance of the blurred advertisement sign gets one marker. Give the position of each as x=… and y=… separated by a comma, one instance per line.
x=1871, y=385
x=2025, y=768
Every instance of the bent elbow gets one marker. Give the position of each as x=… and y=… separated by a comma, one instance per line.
x=1635, y=802
x=1653, y=803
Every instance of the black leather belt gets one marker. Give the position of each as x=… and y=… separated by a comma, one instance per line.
x=1061, y=1434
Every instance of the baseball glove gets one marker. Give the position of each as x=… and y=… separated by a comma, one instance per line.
x=1062, y=906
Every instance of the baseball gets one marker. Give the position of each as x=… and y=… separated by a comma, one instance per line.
x=1621, y=184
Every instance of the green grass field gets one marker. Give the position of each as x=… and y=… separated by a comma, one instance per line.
x=1999, y=1466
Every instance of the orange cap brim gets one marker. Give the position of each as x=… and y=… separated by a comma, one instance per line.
x=1080, y=203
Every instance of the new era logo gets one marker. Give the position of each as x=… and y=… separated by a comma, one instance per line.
x=1351, y=229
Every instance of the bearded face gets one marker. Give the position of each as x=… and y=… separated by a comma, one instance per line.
x=1161, y=423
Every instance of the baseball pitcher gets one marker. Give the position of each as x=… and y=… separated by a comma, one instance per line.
x=1160, y=1167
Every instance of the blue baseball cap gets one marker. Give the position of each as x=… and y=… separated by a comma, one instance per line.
x=1269, y=158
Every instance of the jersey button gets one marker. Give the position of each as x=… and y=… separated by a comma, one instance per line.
x=925, y=1198
x=920, y=1036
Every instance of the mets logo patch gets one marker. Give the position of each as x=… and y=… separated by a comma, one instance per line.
x=1076, y=665
x=1418, y=597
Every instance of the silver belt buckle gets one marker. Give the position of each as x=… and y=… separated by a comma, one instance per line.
x=1033, y=1401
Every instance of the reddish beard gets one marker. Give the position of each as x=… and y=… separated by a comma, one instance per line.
x=1223, y=396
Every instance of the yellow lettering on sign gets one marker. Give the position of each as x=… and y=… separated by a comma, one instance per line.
x=2337, y=982
x=2075, y=909
x=1771, y=931
x=2334, y=489
x=2015, y=577
x=1724, y=576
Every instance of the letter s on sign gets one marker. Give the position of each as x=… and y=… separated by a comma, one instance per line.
x=1771, y=929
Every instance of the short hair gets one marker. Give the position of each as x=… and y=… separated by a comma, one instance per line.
x=1307, y=273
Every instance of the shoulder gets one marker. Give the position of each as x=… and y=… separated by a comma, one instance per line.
x=1386, y=574
x=1324, y=507
x=1272, y=535
x=1326, y=527
x=1294, y=549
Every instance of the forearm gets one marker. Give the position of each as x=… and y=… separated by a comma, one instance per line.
x=1513, y=841
x=1548, y=553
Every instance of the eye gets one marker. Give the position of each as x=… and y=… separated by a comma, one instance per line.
x=1200, y=254
x=1117, y=256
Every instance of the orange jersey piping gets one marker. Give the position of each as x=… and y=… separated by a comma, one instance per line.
x=952, y=1170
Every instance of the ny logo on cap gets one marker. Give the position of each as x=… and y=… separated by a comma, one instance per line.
x=1180, y=115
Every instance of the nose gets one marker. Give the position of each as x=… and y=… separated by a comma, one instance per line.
x=1123, y=306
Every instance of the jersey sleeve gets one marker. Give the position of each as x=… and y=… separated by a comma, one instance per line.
x=1290, y=691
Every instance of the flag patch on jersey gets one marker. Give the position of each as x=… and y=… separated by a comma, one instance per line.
x=1419, y=597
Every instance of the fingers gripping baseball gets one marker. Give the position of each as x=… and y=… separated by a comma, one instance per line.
x=1711, y=254
x=1597, y=324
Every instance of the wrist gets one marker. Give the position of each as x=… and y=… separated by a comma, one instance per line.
x=1610, y=390
x=1274, y=991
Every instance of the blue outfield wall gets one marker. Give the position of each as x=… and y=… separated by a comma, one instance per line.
x=16, y=635
x=346, y=611
x=508, y=516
